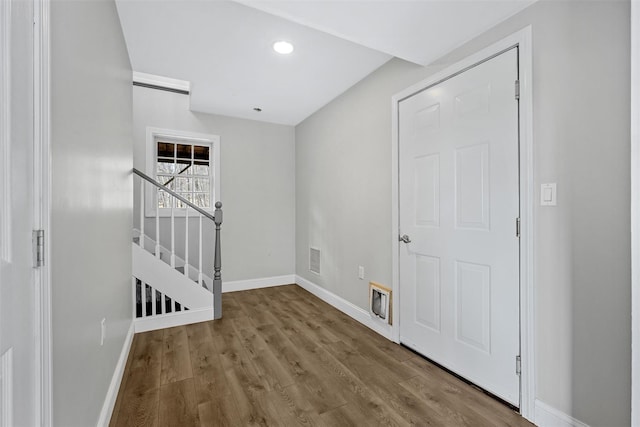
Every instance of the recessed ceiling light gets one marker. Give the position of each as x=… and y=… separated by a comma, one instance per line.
x=283, y=47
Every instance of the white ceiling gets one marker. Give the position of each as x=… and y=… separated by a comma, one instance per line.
x=224, y=48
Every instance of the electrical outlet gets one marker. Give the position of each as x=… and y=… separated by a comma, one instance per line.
x=360, y=272
x=103, y=330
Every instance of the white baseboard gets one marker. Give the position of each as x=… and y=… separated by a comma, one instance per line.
x=266, y=282
x=548, y=416
x=346, y=307
x=116, y=379
x=151, y=323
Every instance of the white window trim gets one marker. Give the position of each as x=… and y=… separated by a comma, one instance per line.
x=177, y=135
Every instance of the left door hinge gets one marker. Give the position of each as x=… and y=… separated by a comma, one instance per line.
x=517, y=89
x=518, y=365
x=518, y=227
x=38, y=248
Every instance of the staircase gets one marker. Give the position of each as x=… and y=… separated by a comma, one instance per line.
x=170, y=288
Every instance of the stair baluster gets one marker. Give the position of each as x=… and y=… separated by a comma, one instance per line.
x=186, y=241
x=143, y=299
x=157, y=209
x=141, y=238
x=200, y=250
x=173, y=232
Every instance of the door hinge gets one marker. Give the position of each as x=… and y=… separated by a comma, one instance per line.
x=518, y=365
x=518, y=227
x=517, y=89
x=38, y=248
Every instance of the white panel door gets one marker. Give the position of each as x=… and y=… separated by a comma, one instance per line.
x=459, y=200
x=18, y=394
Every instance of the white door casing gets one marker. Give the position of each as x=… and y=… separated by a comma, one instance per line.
x=41, y=206
x=24, y=138
x=17, y=285
x=459, y=203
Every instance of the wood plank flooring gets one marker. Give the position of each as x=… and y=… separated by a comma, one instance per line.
x=282, y=357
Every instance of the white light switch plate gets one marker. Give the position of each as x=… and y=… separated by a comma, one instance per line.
x=548, y=194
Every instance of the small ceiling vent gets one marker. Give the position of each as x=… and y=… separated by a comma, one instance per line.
x=314, y=260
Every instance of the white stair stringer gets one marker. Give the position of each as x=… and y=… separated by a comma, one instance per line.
x=175, y=285
x=169, y=281
x=165, y=255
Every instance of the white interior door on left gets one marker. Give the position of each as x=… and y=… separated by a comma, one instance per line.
x=18, y=327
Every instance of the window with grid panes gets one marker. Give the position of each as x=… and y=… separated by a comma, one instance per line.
x=187, y=169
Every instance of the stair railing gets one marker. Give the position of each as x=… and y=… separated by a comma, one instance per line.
x=216, y=218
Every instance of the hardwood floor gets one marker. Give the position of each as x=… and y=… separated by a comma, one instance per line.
x=281, y=356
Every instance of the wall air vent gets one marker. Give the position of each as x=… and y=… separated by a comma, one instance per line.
x=314, y=260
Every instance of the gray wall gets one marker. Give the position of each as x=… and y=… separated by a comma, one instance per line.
x=91, y=204
x=581, y=141
x=257, y=186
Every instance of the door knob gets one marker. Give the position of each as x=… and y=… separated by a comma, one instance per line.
x=404, y=238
